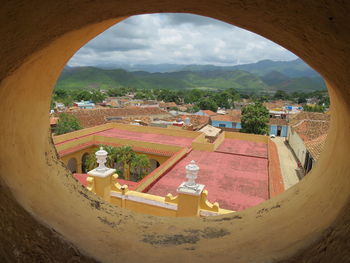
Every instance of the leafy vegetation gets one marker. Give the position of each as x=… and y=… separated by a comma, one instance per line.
x=316, y=108
x=67, y=123
x=261, y=77
x=255, y=118
x=134, y=165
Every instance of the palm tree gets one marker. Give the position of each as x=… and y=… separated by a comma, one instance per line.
x=140, y=162
x=126, y=154
x=112, y=155
x=91, y=162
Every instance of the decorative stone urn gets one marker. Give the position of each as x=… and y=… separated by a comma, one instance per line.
x=191, y=187
x=192, y=170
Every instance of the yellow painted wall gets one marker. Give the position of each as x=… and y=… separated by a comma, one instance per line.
x=307, y=223
x=78, y=156
x=164, y=147
x=161, y=159
x=148, y=180
x=201, y=143
x=74, y=142
x=83, y=132
x=157, y=130
x=185, y=205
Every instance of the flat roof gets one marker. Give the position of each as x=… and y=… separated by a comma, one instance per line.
x=147, y=137
x=241, y=147
x=236, y=182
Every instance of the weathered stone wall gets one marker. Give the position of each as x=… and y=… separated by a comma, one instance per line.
x=308, y=223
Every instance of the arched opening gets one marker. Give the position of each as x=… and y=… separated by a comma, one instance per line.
x=36, y=61
x=113, y=92
x=72, y=165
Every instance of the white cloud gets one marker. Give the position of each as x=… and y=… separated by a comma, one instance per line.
x=178, y=39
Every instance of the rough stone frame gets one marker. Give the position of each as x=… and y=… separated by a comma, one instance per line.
x=310, y=222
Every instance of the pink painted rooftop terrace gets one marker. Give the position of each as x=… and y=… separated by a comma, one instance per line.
x=234, y=181
x=235, y=146
x=147, y=137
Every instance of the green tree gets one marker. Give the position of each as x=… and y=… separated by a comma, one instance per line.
x=80, y=95
x=126, y=154
x=281, y=95
x=316, y=108
x=223, y=99
x=67, y=123
x=97, y=96
x=116, y=92
x=67, y=101
x=207, y=104
x=193, y=109
x=255, y=118
x=139, y=164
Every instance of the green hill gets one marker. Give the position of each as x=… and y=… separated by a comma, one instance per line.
x=293, y=69
x=242, y=81
x=90, y=77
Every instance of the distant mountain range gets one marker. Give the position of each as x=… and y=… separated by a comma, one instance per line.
x=265, y=76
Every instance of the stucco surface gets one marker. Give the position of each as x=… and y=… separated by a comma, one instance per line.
x=235, y=182
x=234, y=146
x=308, y=223
x=147, y=137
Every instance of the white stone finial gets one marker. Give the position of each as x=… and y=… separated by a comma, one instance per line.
x=101, y=156
x=192, y=170
x=191, y=187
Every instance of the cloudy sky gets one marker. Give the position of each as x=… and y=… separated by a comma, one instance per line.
x=177, y=39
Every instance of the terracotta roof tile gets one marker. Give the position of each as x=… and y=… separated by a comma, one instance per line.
x=53, y=120
x=167, y=104
x=222, y=118
x=304, y=115
x=232, y=115
x=278, y=122
x=94, y=117
x=277, y=104
x=316, y=146
x=310, y=129
x=209, y=112
x=197, y=121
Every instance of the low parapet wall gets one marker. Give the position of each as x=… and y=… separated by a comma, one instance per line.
x=276, y=185
x=132, y=143
x=153, y=177
x=58, y=139
x=158, y=205
x=157, y=130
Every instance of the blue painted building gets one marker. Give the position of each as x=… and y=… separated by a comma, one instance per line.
x=85, y=104
x=231, y=120
x=278, y=127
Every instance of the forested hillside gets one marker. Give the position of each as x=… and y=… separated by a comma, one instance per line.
x=262, y=77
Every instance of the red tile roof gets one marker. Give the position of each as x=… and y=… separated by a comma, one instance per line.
x=231, y=116
x=167, y=104
x=53, y=120
x=278, y=122
x=222, y=118
x=94, y=117
x=277, y=104
x=304, y=115
x=309, y=129
x=209, y=112
x=197, y=121
x=316, y=146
